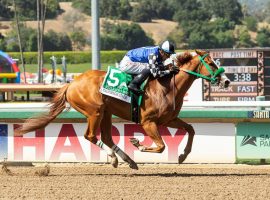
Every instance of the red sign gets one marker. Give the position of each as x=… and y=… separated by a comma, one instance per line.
x=70, y=142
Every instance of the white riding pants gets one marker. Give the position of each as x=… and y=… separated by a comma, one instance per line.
x=130, y=67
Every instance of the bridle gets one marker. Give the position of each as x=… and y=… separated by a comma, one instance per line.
x=213, y=75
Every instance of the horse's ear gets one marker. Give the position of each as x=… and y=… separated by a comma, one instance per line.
x=200, y=52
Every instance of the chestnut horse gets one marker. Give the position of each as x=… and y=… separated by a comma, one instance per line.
x=162, y=101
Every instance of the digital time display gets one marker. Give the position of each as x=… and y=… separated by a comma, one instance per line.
x=241, y=67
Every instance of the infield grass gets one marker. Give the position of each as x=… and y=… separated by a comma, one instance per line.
x=71, y=68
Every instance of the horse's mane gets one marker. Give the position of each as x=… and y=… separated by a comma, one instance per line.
x=183, y=58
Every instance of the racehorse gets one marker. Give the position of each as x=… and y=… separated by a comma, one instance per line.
x=162, y=101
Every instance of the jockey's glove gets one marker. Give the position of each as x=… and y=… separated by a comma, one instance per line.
x=163, y=72
x=159, y=73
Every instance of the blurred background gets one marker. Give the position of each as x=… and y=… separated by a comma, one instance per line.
x=124, y=24
x=50, y=40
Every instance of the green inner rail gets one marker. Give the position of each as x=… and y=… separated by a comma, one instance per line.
x=183, y=114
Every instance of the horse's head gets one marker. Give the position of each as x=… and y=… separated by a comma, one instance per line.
x=202, y=66
x=210, y=69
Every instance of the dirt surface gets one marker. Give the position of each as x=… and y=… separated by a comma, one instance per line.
x=151, y=181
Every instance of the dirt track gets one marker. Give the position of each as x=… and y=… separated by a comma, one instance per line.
x=97, y=181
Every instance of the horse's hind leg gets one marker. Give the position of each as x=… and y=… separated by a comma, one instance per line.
x=151, y=130
x=106, y=137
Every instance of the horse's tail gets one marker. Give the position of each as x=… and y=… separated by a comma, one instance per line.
x=57, y=105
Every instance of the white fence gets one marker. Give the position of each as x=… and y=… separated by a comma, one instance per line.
x=188, y=105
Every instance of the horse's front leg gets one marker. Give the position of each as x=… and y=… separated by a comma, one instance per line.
x=178, y=123
x=106, y=136
x=152, y=131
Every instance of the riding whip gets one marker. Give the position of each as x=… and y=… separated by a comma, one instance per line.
x=173, y=87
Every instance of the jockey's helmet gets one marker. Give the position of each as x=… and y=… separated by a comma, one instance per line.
x=168, y=47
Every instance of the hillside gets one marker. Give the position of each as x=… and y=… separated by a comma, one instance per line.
x=158, y=29
x=254, y=6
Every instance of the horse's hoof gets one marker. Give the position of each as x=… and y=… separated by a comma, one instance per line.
x=182, y=158
x=114, y=162
x=133, y=165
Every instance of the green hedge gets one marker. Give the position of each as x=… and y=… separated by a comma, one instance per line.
x=72, y=57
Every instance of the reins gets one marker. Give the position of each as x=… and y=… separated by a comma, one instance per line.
x=212, y=78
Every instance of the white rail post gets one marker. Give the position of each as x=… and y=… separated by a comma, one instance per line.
x=261, y=98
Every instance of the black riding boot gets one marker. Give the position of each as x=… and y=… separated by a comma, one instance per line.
x=135, y=84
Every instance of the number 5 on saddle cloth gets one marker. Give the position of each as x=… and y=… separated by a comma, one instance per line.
x=115, y=85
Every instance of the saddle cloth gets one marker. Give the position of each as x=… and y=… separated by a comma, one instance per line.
x=115, y=84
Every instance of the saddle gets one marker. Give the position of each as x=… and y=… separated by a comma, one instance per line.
x=115, y=85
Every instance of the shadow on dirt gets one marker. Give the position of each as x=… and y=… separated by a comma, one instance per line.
x=173, y=174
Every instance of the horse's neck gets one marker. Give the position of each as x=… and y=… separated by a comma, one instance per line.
x=184, y=80
x=163, y=94
x=167, y=90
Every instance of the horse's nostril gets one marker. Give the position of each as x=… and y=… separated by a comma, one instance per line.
x=227, y=83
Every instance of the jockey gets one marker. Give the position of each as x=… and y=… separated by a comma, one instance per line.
x=145, y=61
